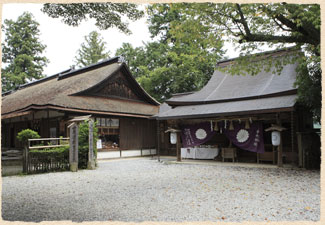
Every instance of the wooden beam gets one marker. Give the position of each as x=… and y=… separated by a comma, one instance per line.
x=93, y=112
x=11, y=115
x=265, y=117
x=46, y=139
x=47, y=146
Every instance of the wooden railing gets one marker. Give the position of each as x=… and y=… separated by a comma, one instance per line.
x=34, y=164
x=52, y=142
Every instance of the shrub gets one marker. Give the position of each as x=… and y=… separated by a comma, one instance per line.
x=53, y=159
x=26, y=134
x=84, y=143
x=59, y=152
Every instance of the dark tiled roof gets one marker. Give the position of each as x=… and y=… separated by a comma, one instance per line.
x=59, y=93
x=223, y=86
x=227, y=94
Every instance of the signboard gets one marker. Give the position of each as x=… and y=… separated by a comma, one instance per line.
x=99, y=144
x=73, y=153
x=91, y=140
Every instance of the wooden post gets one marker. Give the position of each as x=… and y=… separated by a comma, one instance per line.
x=48, y=124
x=25, y=159
x=292, y=133
x=91, y=161
x=73, y=151
x=300, y=150
x=273, y=154
x=178, y=147
x=158, y=140
x=280, y=162
x=258, y=158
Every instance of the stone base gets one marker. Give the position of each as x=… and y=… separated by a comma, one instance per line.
x=91, y=165
x=74, y=167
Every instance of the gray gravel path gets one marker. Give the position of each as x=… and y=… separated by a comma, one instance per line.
x=145, y=190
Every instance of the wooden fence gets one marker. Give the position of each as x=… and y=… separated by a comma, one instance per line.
x=41, y=162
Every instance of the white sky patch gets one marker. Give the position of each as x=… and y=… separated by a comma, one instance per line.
x=63, y=41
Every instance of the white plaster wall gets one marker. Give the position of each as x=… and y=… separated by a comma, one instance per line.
x=108, y=155
x=147, y=152
x=125, y=153
x=130, y=153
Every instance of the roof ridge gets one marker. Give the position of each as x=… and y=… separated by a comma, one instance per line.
x=265, y=53
x=35, y=82
x=90, y=67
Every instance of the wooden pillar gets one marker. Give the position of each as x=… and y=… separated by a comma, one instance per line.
x=292, y=132
x=142, y=136
x=25, y=159
x=300, y=150
x=48, y=124
x=293, y=146
x=273, y=154
x=91, y=161
x=158, y=140
x=280, y=162
x=178, y=147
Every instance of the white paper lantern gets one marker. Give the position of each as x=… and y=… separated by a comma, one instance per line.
x=173, y=138
x=276, y=138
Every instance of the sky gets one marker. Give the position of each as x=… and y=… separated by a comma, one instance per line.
x=63, y=41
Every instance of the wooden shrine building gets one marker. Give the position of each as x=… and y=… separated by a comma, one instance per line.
x=107, y=91
x=228, y=101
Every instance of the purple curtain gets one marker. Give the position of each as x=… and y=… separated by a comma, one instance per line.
x=196, y=134
x=247, y=139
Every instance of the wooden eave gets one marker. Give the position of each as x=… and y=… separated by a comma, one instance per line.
x=60, y=108
x=184, y=103
x=239, y=113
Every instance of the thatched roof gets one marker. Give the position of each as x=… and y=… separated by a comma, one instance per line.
x=227, y=94
x=68, y=92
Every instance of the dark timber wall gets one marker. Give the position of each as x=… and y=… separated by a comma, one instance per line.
x=137, y=133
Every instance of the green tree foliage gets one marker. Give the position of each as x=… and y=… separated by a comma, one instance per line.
x=106, y=15
x=92, y=50
x=21, y=52
x=182, y=59
x=134, y=57
x=254, y=26
x=26, y=134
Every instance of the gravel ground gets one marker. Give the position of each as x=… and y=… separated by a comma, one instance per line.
x=145, y=190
